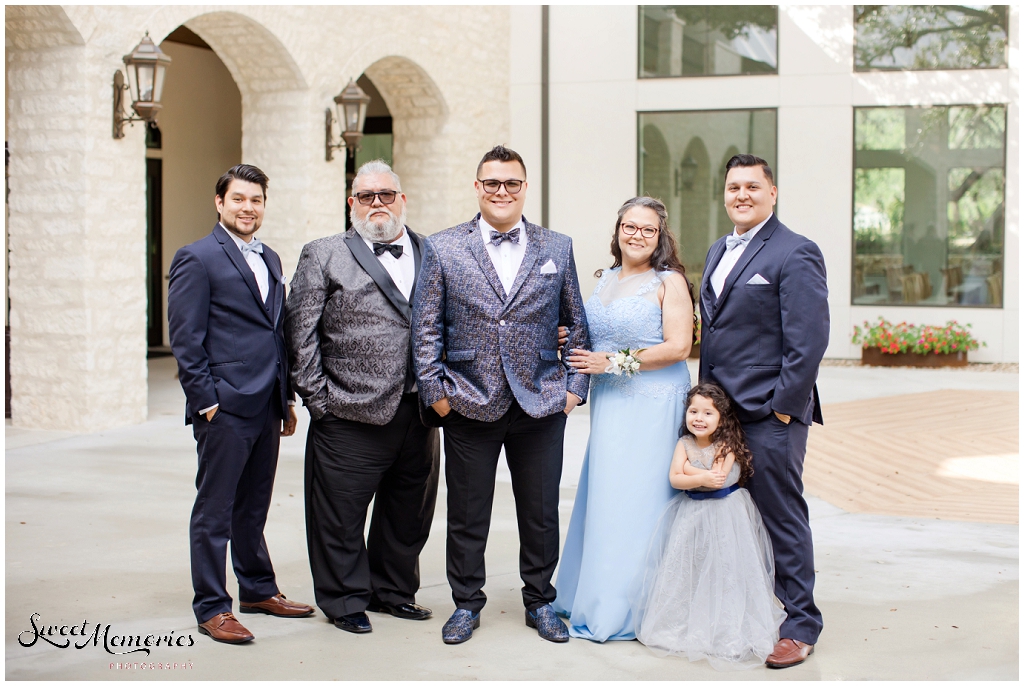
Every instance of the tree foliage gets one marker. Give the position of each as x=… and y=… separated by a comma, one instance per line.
x=899, y=37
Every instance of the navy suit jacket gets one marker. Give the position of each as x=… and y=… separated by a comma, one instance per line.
x=763, y=343
x=229, y=344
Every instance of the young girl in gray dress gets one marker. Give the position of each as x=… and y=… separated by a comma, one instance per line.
x=707, y=590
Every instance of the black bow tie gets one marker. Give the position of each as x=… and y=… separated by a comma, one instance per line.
x=393, y=248
x=511, y=235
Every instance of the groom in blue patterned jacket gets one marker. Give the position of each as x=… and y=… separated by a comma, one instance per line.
x=491, y=295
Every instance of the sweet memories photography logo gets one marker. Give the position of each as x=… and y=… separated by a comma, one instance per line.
x=88, y=634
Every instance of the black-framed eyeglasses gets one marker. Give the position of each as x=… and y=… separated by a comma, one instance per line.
x=513, y=186
x=645, y=231
x=366, y=197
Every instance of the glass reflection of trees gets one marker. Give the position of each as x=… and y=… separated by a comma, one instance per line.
x=699, y=40
x=905, y=37
x=929, y=205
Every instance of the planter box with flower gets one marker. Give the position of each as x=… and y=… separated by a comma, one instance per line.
x=911, y=345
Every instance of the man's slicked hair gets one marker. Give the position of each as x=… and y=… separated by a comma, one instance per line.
x=499, y=153
x=745, y=160
x=242, y=172
x=377, y=166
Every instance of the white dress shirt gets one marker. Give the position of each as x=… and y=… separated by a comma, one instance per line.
x=256, y=264
x=507, y=257
x=731, y=257
x=401, y=270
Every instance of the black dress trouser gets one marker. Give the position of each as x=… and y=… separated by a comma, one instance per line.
x=348, y=464
x=777, y=488
x=533, y=450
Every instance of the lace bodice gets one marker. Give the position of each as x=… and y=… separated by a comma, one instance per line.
x=625, y=313
x=704, y=458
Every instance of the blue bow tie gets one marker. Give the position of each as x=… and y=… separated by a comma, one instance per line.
x=252, y=246
x=732, y=240
x=511, y=235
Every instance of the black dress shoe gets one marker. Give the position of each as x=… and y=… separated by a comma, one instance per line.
x=356, y=623
x=402, y=611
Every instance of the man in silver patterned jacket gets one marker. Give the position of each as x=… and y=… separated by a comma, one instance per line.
x=491, y=294
x=348, y=332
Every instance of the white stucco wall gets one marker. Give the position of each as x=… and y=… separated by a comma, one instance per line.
x=595, y=97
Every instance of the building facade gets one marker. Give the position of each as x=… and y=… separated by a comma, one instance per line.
x=904, y=172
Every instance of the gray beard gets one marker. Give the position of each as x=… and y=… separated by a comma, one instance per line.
x=381, y=233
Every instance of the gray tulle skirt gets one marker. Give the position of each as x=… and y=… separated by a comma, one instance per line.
x=706, y=591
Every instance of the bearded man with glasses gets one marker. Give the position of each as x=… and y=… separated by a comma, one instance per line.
x=348, y=330
x=490, y=298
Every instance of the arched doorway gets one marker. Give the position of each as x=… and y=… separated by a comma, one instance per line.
x=199, y=137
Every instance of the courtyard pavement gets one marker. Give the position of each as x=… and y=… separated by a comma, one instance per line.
x=96, y=532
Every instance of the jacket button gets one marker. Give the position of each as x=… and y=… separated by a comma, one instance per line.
x=711, y=366
x=502, y=322
x=712, y=329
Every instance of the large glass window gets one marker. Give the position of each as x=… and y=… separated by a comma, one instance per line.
x=910, y=37
x=708, y=40
x=682, y=163
x=928, y=205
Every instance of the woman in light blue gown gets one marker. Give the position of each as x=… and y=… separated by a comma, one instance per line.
x=642, y=302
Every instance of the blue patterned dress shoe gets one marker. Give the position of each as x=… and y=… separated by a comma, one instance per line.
x=459, y=627
x=355, y=623
x=547, y=624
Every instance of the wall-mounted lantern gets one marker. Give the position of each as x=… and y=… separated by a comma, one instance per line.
x=146, y=66
x=351, y=104
x=686, y=174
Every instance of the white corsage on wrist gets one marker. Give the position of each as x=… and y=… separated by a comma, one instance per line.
x=624, y=362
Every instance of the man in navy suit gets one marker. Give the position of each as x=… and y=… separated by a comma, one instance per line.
x=765, y=325
x=224, y=306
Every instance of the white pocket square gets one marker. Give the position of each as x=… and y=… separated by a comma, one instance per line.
x=757, y=280
x=549, y=268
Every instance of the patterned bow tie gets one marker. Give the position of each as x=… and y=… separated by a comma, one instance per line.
x=393, y=248
x=512, y=235
x=732, y=240
x=252, y=246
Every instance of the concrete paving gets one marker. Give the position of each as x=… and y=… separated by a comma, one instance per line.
x=96, y=531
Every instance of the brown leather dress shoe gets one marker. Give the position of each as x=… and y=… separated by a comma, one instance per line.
x=225, y=629
x=279, y=606
x=788, y=652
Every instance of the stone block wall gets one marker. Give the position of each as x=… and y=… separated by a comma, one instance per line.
x=77, y=203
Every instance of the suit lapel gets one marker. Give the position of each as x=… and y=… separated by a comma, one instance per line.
x=276, y=295
x=529, y=258
x=707, y=293
x=417, y=253
x=235, y=255
x=756, y=243
x=376, y=271
x=476, y=246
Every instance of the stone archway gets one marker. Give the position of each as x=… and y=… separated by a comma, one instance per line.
x=418, y=113
x=78, y=209
x=276, y=126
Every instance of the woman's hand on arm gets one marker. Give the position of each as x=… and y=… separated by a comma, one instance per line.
x=676, y=325
x=587, y=362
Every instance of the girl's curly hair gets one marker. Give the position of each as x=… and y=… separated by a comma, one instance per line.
x=729, y=434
